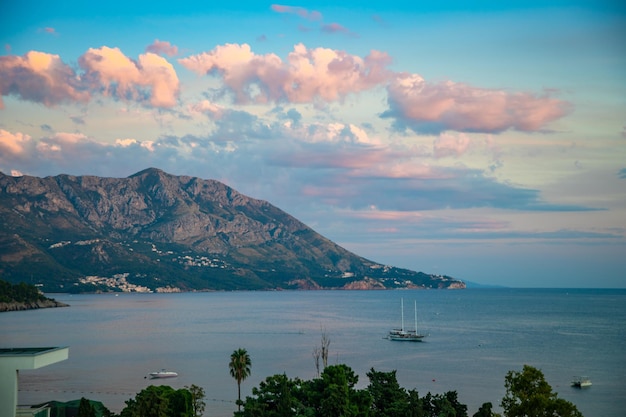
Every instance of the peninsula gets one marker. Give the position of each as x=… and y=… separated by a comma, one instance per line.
x=24, y=297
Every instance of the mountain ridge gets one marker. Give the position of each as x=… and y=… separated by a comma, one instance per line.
x=153, y=231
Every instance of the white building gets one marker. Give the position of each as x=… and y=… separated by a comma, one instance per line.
x=14, y=359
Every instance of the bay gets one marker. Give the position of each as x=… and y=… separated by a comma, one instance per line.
x=475, y=337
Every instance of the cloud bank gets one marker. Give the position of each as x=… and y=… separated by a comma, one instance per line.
x=305, y=76
x=330, y=75
x=436, y=107
x=39, y=77
x=43, y=78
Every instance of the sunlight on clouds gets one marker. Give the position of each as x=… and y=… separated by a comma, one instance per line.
x=125, y=143
x=42, y=77
x=437, y=107
x=69, y=138
x=13, y=144
x=118, y=76
x=308, y=74
x=39, y=77
x=162, y=48
x=333, y=132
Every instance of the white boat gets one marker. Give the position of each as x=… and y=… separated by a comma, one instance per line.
x=581, y=382
x=163, y=374
x=406, y=335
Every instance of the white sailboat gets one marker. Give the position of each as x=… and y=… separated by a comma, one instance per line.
x=406, y=335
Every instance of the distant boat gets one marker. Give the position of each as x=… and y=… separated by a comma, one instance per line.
x=406, y=335
x=163, y=374
x=581, y=382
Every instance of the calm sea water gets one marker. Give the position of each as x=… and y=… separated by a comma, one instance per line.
x=475, y=337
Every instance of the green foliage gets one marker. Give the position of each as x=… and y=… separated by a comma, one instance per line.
x=529, y=395
x=277, y=396
x=85, y=409
x=334, y=394
x=197, y=400
x=19, y=293
x=485, y=411
x=160, y=401
x=338, y=396
x=389, y=399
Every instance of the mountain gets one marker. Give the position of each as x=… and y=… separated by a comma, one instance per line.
x=154, y=231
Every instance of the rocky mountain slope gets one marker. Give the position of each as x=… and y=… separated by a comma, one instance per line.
x=154, y=231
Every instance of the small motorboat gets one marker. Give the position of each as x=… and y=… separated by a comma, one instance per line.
x=581, y=382
x=163, y=374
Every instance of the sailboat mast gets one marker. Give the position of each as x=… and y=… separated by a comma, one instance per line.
x=402, y=309
x=415, y=317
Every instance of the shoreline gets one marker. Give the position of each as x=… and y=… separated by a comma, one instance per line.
x=33, y=305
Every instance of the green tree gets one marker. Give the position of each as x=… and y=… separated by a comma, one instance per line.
x=19, y=293
x=389, y=399
x=529, y=395
x=197, y=400
x=239, y=367
x=277, y=396
x=339, y=398
x=460, y=410
x=485, y=411
x=415, y=405
x=159, y=401
x=85, y=409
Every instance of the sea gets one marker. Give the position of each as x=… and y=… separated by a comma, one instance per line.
x=475, y=336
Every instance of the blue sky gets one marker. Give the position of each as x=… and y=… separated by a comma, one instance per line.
x=483, y=140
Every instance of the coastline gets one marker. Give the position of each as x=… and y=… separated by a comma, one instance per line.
x=34, y=305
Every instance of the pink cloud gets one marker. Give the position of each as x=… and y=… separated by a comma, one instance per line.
x=298, y=11
x=44, y=78
x=334, y=28
x=437, y=107
x=207, y=108
x=13, y=145
x=111, y=72
x=162, y=48
x=306, y=75
x=63, y=146
x=450, y=145
x=39, y=77
x=48, y=30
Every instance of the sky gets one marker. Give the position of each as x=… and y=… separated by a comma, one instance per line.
x=484, y=140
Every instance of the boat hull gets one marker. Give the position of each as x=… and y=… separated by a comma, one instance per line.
x=406, y=336
x=581, y=382
x=167, y=374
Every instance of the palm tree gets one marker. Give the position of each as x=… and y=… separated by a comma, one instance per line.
x=239, y=369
